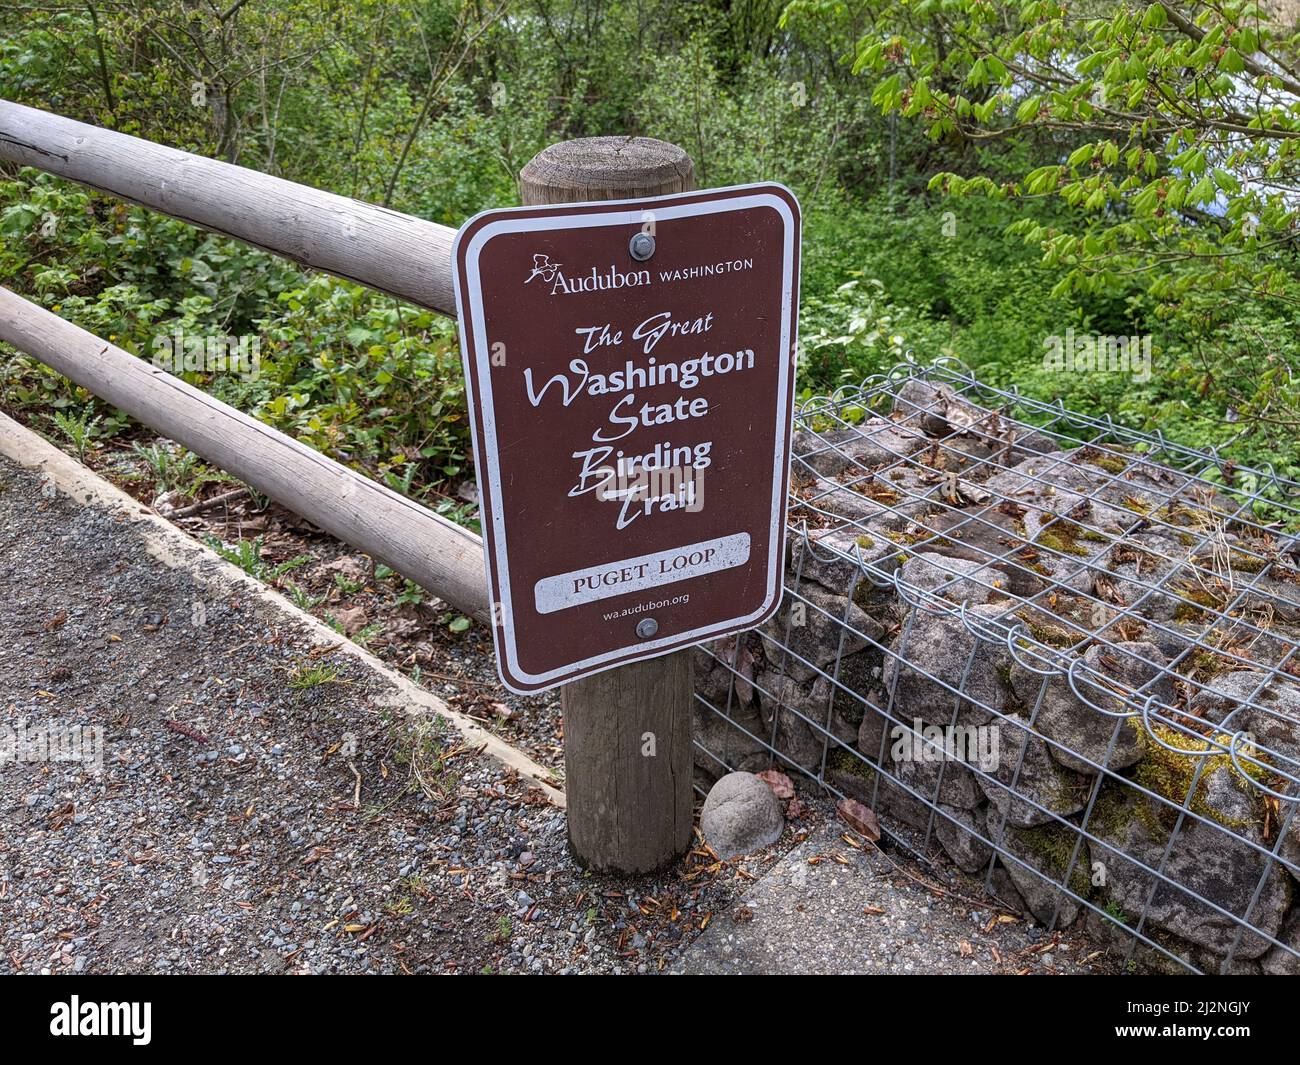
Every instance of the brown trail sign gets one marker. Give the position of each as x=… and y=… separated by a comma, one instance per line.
x=631, y=372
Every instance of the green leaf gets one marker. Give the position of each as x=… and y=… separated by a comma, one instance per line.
x=1082, y=154
x=1028, y=109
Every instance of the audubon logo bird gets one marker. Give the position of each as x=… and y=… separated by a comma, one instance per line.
x=543, y=268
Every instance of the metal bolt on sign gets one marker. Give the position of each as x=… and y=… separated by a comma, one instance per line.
x=641, y=247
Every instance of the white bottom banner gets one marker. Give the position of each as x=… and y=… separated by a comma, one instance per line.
x=637, y=574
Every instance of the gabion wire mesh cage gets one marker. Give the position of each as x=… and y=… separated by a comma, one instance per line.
x=1058, y=652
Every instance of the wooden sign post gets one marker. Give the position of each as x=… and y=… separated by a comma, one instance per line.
x=627, y=812
x=628, y=346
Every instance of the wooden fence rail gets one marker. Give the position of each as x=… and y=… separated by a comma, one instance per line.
x=396, y=253
x=432, y=551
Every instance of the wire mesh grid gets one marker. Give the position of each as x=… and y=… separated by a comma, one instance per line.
x=1059, y=651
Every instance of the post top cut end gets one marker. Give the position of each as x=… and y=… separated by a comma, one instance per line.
x=606, y=168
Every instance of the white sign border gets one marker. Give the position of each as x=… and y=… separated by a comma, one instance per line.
x=503, y=627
